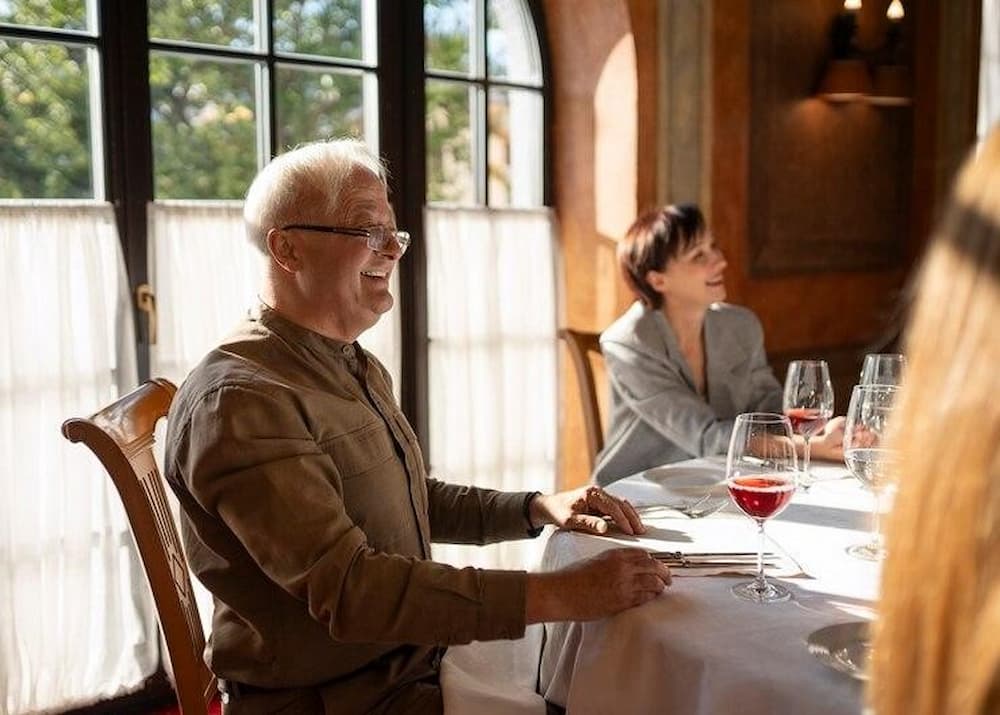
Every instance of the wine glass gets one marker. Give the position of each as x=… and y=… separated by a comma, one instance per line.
x=883, y=369
x=808, y=404
x=866, y=457
x=760, y=475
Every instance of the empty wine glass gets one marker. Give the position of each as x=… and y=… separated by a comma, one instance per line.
x=760, y=475
x=883, y=369
x=866, y=456
x=808, y=404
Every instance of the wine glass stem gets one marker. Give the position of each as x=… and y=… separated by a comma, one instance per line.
x=761, y=583
x=805, y=459
x=877, y=521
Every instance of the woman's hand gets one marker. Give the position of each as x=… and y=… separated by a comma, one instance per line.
x=829, y=444
x=585, y=509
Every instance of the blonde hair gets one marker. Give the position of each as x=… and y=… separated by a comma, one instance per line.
x=304, y=183
x=937, y=641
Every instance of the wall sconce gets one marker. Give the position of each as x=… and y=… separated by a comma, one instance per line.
x=877, y=76
x=891, y=83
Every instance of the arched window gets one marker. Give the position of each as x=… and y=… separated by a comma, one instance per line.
x=156, y=114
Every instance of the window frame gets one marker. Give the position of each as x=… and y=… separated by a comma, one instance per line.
x=121, y=119
x=121, y=39
x=478, y=78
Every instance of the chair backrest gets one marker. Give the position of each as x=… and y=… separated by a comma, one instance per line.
x=121, y=435
x=581, y=346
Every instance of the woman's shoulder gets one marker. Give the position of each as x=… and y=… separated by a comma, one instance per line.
x=636, y=326
x=734, y=317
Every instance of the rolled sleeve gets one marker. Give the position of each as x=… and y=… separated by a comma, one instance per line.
x=472, y=515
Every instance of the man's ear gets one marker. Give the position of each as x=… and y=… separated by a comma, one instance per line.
x=284, y=251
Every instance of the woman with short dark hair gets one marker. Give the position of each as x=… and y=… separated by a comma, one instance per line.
x=681, y=363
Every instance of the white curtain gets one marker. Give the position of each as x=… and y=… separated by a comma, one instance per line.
x=76, y=619
x=492, y=359
x=206, y=276
x=989, y=69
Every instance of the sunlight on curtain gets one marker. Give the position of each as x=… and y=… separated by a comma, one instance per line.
x=206, y=276
x=989, y=69
x=76, y=619
x=492, y=360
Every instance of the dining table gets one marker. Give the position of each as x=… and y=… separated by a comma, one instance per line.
x=696, y=648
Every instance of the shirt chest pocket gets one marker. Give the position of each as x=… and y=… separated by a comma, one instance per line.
x=360, y=450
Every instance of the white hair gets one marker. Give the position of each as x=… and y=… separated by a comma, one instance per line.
x=303, y=182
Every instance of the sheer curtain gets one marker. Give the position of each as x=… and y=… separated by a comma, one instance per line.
x=492, y=354
x=76, y=621
x=206, y=277
x=989, y=69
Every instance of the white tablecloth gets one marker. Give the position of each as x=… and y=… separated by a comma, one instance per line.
x=698, y=649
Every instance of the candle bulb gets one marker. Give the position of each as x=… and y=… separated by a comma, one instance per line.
x=852, y=5
x=895, y=11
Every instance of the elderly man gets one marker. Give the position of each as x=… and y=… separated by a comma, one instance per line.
x=306, y=509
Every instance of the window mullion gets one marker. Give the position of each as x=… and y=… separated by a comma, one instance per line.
x=480, y=117
x=267, y=128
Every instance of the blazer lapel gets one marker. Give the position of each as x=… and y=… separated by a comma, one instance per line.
x=723, y=356
x=673, y=348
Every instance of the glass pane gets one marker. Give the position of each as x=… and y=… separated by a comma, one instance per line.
x=511, y=44
x=447, y=26
x=45, y=121
x=515, y=148
x=228, y=23
x=60, y=14
x=204, y=129
x=450, y=176
x=331, y=28
x=318, y=104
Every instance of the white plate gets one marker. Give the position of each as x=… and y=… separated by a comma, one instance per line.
x=844, y=647
x=693, y=489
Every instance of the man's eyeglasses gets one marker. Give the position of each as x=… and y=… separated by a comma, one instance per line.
x=377, y=237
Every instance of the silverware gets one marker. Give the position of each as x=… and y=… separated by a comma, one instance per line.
x=715, y=563
x=706, y=554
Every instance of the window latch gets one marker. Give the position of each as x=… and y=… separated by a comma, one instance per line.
x=145, y=300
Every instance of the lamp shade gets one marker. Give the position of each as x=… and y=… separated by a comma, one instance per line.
x=891, y=86
x=845, y=80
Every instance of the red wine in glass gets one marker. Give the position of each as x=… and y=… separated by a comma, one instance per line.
x=806, y=421
x=761, y=497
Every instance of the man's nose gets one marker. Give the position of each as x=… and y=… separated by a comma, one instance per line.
x=392, y=249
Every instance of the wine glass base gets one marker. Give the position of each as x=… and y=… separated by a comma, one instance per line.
x=770, y=593
x=868, y=552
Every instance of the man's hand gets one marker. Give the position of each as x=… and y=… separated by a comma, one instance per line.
x=596, y=588
x=585, y=509
x=829, y=444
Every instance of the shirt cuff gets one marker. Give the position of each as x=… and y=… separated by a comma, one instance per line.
x=533, y=531
x=502, y=609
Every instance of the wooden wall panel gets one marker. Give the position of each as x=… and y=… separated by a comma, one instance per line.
x=809, y=308
x=829, y=183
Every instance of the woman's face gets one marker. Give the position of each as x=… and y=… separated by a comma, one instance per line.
x=693, y=278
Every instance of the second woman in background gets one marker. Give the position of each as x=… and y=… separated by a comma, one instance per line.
x=681, y=363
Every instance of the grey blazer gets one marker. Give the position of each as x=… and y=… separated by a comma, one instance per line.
x=657, y=416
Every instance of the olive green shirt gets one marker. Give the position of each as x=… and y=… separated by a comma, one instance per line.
x=307, y=512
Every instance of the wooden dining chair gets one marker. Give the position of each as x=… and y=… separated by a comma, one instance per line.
x=581, y=347
x=121, y=435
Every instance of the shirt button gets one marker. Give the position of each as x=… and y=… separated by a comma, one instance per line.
x=348, y=351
